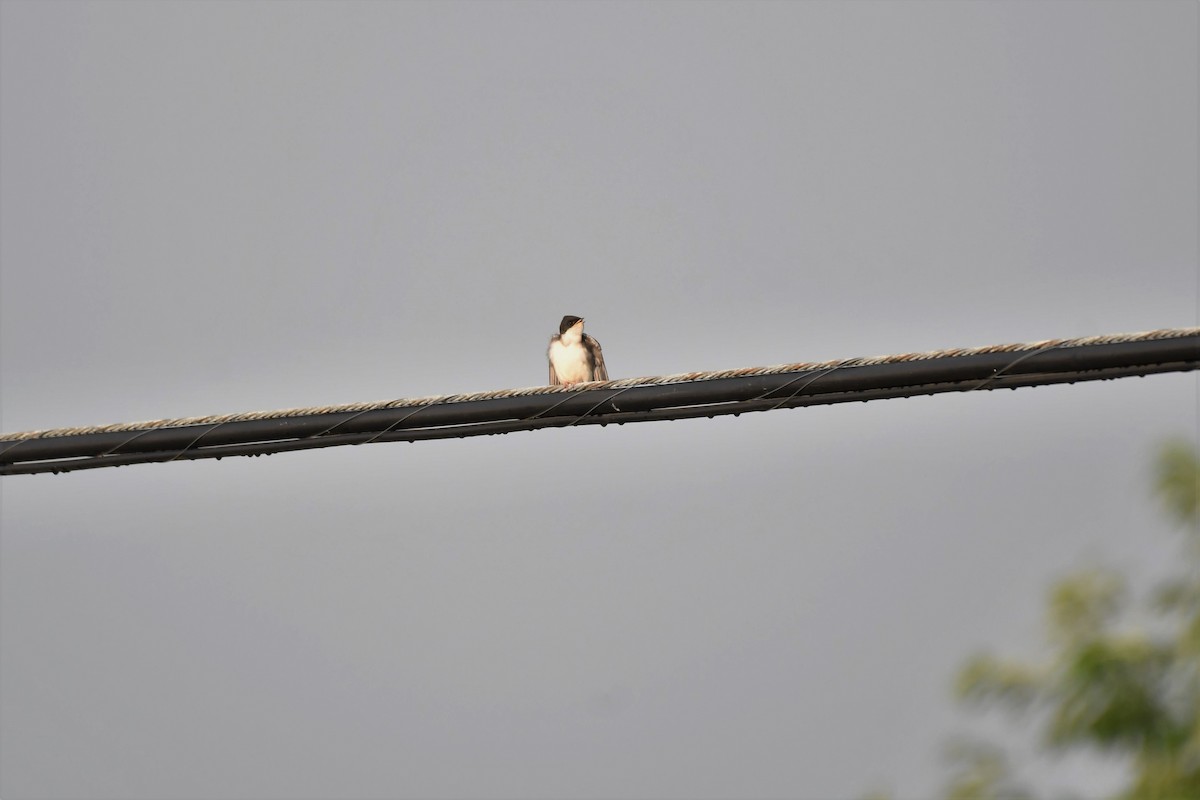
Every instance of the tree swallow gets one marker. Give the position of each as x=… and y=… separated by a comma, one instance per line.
x=574, y=356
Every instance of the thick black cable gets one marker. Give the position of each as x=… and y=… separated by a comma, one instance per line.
x=846, y=381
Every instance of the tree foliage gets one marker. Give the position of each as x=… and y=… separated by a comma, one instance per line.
x=1108, y=687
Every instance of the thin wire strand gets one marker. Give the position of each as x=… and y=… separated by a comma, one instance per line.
x=803, y=386
x=397, y=422
x=192, y=443
x=1012, y=364
x=548, y=409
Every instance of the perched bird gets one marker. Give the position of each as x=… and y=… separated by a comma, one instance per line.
x=574, y=356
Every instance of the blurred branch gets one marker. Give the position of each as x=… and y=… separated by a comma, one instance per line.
x=980, y=772
x=1177, y=475
x=1106, y=689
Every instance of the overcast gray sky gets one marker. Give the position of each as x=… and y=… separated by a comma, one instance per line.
x=217, y=207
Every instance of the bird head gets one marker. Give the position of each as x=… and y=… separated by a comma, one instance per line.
x=569, y=322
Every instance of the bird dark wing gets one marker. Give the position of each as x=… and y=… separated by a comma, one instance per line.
x=554, y=381
x=599, y=371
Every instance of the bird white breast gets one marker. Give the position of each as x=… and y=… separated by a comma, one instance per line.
x=570, y=361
